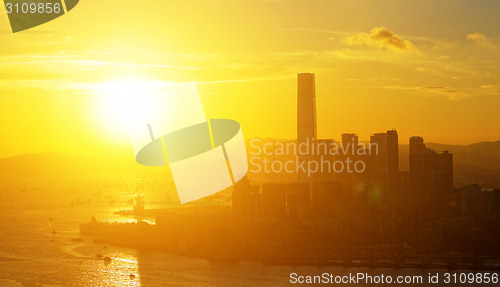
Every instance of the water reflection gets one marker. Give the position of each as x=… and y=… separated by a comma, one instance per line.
x=31, y=255
x=122, y=270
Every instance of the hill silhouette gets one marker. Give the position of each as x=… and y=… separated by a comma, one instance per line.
x=54, y=164
x=474, y=163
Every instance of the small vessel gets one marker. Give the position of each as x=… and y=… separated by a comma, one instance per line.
x=139, y=205
x=132, y=276
x=107, y=259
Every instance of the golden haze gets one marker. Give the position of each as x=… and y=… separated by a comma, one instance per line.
x=430, y=74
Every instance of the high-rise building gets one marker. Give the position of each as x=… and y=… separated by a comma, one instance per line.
x=393, y=186
x=431, y=177
x=386, y=163
x=306, y=107
x=306, y=118
x=430, y=172
x=385, y=212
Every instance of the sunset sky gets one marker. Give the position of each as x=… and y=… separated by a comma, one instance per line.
x=428, y=68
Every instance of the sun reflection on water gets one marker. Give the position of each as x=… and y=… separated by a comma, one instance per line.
x=122, y=270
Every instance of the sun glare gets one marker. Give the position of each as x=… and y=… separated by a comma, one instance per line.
x=116, y=100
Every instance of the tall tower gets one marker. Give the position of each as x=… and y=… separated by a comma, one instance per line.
x=306, y=120
x=393, y=188
x=431, y=178
x=306, y=107
x=387, y=163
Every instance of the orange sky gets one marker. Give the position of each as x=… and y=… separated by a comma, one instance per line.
x=425, y=68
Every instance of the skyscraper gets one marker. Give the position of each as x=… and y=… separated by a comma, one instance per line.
x=431, y=173
x=306, y=117
x=387, y=163
x=306, y=107
x=431, y=176
x=393, y=188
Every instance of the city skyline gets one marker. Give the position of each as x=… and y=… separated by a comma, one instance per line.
x=249, y=142
x=423, y=73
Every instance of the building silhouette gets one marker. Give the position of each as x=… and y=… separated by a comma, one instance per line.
x=306, y=107
x=306, y=117
x=431, y=181
x=386, y=164
x=393, y=184
x=383, y=206
x=350, y=143
x=430, y=172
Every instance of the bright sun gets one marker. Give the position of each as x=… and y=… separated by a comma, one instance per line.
x=115, y=99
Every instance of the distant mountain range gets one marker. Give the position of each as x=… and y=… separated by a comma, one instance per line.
x=484, y=154
x=475, y=163
x=53, y=164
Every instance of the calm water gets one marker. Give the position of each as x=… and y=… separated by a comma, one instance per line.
x=31, y=255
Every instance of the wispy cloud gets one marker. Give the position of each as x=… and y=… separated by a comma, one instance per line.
x=450, y=92
x=75, y=60
x=477, y=37
x=380, y=38
x=333, y=32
